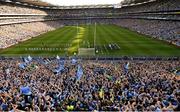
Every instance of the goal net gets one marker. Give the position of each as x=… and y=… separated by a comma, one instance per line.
x=86, y=51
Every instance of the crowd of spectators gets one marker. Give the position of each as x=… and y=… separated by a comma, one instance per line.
x=164, y=30
x=104, y=85
x=18, y=20
x=156, y=5
x=12, y=33
x=15, y=33
x=6, y=8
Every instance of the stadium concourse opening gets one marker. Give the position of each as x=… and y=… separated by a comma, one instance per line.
x=109, y=57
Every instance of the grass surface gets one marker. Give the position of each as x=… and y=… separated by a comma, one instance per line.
x=110, y=40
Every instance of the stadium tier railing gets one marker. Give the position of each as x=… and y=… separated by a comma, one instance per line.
x=109, y=58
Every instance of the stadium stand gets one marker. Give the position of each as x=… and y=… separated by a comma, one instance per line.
x=49, y=84
x=104, y=85
x=18, y=9
x=154, y=6
x=15, y=33
x=163, y=30
x=19, y=23
x=162, y=17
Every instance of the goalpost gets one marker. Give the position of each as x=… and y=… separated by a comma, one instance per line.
x=95, y=36
x=95, y=50
x=89, y=51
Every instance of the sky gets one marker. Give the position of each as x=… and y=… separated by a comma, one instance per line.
x=81, y=2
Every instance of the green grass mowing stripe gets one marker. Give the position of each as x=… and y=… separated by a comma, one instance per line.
x=38, y=41
x=147, y=41
x=144, y=37
x=56, y=36
x=131, y=43
x=41, y=38
x=122, y=39
x=19, y=48
x=153, y=45
x=89, y=35
x=74, y=36
x=83, y=44
x=34, y=41
x=110, y=34
x=136, y=49
x=99, y=39
x=127, y=45
x=62, y=39
x=115, y=36
x=78, y=39
x=108, y=38
x=159, y=47
x=102, y=39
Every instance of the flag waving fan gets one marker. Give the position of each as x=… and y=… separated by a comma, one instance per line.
x=126, y=67
x=25, y=90
x=79, y=72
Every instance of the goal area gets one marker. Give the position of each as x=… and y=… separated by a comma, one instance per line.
x=86, y=51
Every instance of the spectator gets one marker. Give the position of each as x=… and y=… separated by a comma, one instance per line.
x=147, y=86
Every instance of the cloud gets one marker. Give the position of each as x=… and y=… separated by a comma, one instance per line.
x=81, y=2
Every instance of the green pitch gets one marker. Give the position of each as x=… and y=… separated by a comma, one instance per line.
x=108, y=40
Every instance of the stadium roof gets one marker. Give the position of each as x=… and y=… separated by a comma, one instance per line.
x=82, y=2
x=84, y=6
x=43, y=4
x=30, y=2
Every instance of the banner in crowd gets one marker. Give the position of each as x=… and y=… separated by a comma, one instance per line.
x=79, y=72
x=25, y=90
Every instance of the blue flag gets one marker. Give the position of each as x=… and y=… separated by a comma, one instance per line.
x=29, y=58
x=25, y=60
x=73, y=61
x=79, y=72
x=25, y=90
x=60, y=67
x=126, y=67
x=22, y=65
x=57, y=57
